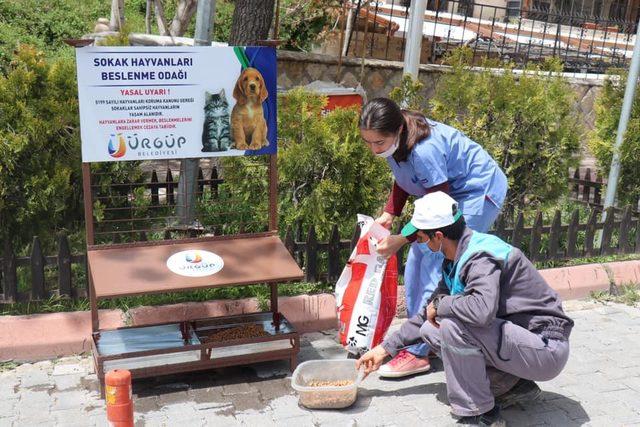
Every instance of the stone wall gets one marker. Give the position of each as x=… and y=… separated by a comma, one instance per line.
x=379, y=77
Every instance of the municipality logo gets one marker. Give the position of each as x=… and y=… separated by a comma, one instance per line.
x=195, y=263
x=193, y=257
x=117, y=146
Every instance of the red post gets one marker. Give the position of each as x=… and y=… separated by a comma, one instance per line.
x=119, y=398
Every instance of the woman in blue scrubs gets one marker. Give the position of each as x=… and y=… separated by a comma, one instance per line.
x=427, y=156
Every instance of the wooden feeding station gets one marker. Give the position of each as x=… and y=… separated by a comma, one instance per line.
x=140, y=241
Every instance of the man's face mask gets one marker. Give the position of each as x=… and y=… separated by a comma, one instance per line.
x=426, y=249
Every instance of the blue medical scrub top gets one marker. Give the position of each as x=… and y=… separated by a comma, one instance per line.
x=448, y=155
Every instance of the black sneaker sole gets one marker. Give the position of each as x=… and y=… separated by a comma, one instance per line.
x=528, y=396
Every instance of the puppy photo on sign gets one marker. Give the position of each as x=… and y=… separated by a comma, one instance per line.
x=248, y=125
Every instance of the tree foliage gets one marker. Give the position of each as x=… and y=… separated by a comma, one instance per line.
x=527, y=122
x=608, y=106
x=39, y=146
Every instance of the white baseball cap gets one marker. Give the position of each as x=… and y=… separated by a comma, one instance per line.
x=432, y=211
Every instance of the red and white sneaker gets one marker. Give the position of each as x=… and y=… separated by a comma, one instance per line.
x=404, y=364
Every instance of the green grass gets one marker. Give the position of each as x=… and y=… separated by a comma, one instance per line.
x=628, y=294
x=8, y=365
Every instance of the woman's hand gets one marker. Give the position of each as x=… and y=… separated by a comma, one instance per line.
x=372, y=360
x=386, y=220
x=391, y=244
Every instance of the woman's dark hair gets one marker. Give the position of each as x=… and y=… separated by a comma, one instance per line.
x=385, y=116
x=452, y=231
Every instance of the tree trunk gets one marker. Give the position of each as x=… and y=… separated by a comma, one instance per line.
x=162, y=23
x=251, y=22
x=182, y=18
x=117, y=15
x=147, y=17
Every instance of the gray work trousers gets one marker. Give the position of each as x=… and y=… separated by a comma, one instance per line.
x=478, y=365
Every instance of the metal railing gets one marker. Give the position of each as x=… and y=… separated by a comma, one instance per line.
x=583, y=42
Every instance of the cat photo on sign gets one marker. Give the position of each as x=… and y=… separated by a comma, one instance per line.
x=216, y=132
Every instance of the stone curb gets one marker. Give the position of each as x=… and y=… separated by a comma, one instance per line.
x=44, y=336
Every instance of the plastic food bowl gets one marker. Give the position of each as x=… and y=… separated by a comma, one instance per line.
x=326, y=397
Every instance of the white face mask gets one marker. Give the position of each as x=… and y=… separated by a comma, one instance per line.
x=389, y=152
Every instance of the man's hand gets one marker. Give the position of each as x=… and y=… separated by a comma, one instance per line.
x=431, y=315
x=390, y=245
x=372, y=360
x=386, y=219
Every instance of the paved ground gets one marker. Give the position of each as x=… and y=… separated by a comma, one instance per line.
x=600, y=386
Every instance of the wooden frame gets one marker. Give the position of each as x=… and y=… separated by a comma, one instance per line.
x=96, y=265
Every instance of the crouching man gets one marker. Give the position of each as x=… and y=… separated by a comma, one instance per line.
x=493, y=320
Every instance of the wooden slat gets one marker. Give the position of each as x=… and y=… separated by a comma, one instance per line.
x=155, y=199
x=289, y=243
x=200, y=181
x=590, y=233
x=9, y=268
x=311, y=256
x=586, y=190
x=572, y=235
x=214, y=182
x=575, y=193
x=64, y=266
x=625, y=245
x=334, y=254
x=607, y=233
x=554, y=237
x=169, y=187
x=518, y=231
x=536, y=238
x=597, y=191
x=355, y=237
x=37, y=270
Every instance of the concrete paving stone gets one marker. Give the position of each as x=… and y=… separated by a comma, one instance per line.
x=216, y=407
x=146, y=404
x=69, y=369
x=68, y=399
x=181, y=421
x=166, y=399
x=247, y=402
x=271, y=389
x=153, y=422
x=632, y=382
x=32, y=397
x=7, y=408
x=287, y=407
x=45, y=365
x=239, y=388
x=35, y=378
x=70, y=417
x=401, y=420
x=256, y=418
x=208, y=394
x=303, y=421
x=6, y=422
x=67, y=382
x=221, y=421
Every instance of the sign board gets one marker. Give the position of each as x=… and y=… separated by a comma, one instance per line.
x=144, y=103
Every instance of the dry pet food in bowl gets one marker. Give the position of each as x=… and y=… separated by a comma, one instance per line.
x=326, y=384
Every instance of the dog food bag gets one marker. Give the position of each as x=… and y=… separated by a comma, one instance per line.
x=366, y=292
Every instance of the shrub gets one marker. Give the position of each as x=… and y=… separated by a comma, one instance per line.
x=607, y=107
x=527, y=122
